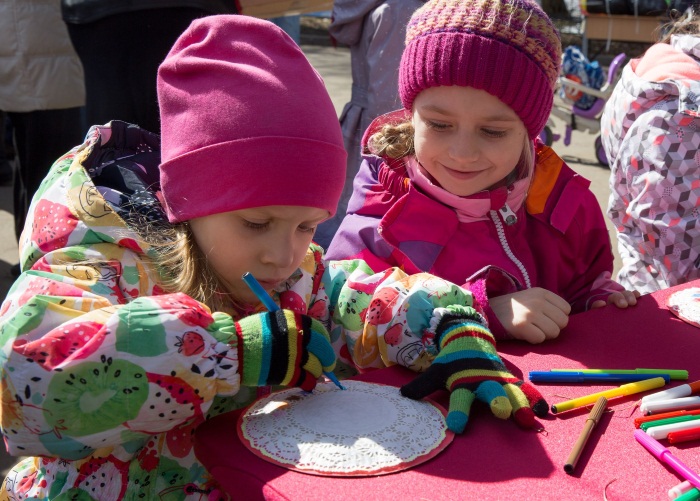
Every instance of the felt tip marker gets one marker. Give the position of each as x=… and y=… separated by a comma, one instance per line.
x=676, y=437
x=661, y=432
x=679, y=489
x=620, y=391
x=692, y=495
x=270, y=304
x=663, y=415
x=663, y=454
x=677, y=419
x=591, y=422
x=672, y=404
x=673, y=373
x=589, y=377
x=684, y=390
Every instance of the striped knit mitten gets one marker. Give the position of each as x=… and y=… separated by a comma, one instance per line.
x=283, y=348
x=468, y=366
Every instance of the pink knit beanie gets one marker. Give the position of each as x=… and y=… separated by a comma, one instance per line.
x=245, y=122
x=509, y=48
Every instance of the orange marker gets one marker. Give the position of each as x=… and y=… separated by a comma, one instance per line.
x=665, y=415
x=676, y=437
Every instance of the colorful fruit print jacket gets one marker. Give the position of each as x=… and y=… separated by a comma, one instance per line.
x=651, y=133
x=105, y=377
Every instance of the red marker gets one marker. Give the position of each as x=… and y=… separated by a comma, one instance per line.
x=665, y=415
x=676, y=437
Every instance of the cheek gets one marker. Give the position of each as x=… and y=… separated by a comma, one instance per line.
x=301, y=248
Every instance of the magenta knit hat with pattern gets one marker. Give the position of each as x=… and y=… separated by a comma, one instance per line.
x=509, y=48
x=245, y=122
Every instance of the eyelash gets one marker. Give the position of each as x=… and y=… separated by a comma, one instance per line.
x=494, y=133
x=256, y=226
x=264, y=226
x=436, y=125
x=490, y=133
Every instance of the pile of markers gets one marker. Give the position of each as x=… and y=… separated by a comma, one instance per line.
x=672, y=415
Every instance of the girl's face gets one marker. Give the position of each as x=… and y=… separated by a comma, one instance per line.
x=269, y=242
x=465, y=138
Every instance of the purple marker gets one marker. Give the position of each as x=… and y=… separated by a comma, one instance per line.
x=663, y=454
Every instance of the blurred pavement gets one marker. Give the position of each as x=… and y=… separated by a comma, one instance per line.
x=334, y=65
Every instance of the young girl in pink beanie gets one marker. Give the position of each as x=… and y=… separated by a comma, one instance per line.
x=131, y=323
x=456, y=183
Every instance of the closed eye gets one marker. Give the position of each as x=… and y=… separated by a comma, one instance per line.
x=307, y=229
x=437, y=125
x=494, y=133
x=256, y=226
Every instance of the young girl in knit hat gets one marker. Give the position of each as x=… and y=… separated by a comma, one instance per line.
x=131, y=325
x=457, y=184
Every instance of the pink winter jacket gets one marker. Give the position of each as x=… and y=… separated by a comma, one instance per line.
x=559, y=242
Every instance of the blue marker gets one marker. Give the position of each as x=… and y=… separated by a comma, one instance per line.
x=587, y=377
x=265, y=299
x=258, y=290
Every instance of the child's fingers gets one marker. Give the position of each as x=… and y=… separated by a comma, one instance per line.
x=321, y=348
x=527, y=402
x=493, y=394
x=461, y=400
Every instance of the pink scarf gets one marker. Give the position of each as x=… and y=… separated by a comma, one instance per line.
x=475, y=207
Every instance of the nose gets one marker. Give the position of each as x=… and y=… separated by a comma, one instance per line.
x=465, y=148
x=279, y=252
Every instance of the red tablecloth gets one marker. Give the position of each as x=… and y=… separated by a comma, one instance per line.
x=495, y=459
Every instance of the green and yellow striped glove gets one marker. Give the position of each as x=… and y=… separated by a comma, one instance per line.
x=283, y=348
x=468, y=366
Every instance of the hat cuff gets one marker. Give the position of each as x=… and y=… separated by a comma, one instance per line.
x=268, y=168
x=472, y=60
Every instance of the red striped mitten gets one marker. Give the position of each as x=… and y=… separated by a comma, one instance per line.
x=468, y=366
x=283, y=348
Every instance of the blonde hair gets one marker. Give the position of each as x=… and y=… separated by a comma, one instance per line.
x=181, y=266
x=687, y=23
x=395, y=140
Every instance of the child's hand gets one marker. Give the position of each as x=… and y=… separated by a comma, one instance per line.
x=468, y=366
x=533, y=315
x=283, y=348
x=620, y=299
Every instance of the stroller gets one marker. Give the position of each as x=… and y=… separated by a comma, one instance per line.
x=581, y=107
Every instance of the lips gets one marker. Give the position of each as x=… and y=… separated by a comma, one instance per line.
x=462, y=175
x=270, y=284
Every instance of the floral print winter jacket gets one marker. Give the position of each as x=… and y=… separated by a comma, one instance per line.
x=105, y=377
x=651, y=134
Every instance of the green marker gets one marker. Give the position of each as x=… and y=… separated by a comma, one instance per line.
x=680, y=375
x=691, y=495
x=660, y=422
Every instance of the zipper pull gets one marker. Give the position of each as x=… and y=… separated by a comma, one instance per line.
x=508, y=215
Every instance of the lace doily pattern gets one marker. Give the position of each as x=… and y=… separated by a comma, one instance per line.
x=686, y=305
x=368, y=429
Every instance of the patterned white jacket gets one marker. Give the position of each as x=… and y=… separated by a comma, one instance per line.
x=651, y=134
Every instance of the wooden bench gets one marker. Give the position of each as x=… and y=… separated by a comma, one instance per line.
x=619, y=28
x=276, y=8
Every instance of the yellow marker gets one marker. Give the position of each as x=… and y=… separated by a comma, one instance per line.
x=620, y=391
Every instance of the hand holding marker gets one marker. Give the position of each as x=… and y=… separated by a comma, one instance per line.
x=265, y=299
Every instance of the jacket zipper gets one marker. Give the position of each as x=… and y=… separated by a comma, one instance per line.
x=510, y=218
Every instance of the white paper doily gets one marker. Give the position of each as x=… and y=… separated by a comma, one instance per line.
x=368, y=429
x=686, y=304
